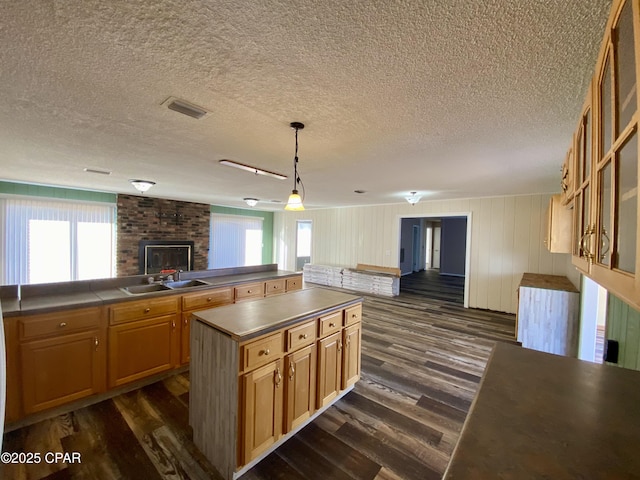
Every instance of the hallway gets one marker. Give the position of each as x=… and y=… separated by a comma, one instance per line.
x=433, y=286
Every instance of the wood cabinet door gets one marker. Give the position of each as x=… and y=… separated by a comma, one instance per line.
x=262, y=409
x=142, y=348
x=300, y=386
x=329, y=368
x=351, y=355
x=62, y=369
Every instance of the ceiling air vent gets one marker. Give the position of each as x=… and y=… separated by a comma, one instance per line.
x=186, y=108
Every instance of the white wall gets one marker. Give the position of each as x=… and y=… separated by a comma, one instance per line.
x=506, y=241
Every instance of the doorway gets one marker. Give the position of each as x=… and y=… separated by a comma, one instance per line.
x=593, y=317
x=434, y=256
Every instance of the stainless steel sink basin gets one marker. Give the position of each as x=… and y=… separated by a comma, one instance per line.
x=140, y=289
x=185, y=283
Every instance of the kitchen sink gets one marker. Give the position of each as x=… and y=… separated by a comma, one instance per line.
x=185, y=284
x=140, y=289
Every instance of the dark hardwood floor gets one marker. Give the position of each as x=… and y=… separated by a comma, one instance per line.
x=432, y=285
x=422, y=360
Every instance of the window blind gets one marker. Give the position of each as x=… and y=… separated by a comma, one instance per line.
x=44, y=241
x=236, y=241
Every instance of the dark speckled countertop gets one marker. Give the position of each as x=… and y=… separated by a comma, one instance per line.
x=43, y=298
x=543, y=416
x=245, y=320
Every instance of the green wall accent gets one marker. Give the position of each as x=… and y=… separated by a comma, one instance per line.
x=267, y=227
x=623, y=325
x=56, y=192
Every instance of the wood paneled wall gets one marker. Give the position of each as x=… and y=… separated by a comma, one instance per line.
x=506, y=241
x=623, y=325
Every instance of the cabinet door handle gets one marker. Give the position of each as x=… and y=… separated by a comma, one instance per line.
x=173, y=324
x=292, y=372
x=186, y=321
x=147, y=310
x=63, y=324
x=96, y=342
x=278, y=377
x=339, y=345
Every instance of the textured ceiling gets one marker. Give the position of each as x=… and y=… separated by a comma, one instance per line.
x=452, y=99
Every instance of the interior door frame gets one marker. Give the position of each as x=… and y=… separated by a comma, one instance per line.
x=434, y=216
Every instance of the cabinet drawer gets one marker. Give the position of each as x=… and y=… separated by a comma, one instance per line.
x=261, y=351
x=353, y=314
x=294, y=283
x=141, y=309
x=330, y=323
x=207, y=299
x=273, y=287
x=249, y=290
x=59, y=323
x=301, y=336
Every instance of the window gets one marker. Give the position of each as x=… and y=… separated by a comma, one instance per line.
x=303, y=244
x=236, y=241
x=45, y=241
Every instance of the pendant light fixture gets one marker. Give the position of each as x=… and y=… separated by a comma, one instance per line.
x=295, y=201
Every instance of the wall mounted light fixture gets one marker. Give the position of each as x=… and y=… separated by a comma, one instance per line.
x=295, y=201
x=142, y=185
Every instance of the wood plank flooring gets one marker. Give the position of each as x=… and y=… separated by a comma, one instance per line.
x=432, y=285
x=422, y=360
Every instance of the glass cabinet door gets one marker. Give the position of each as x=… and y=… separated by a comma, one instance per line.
x=615, y=247
x=583, y=230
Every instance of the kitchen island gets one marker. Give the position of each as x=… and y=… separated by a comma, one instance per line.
x=260, y=371
x=538, y=415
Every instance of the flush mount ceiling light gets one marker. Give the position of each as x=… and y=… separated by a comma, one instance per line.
x=413, y=198
x=252, y=202
x=249, y=168
x=295, y=201
x=142, y=185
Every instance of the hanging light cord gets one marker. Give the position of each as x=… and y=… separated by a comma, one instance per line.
x=296, y=177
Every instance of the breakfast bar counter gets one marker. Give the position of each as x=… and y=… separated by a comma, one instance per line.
x=538, y=415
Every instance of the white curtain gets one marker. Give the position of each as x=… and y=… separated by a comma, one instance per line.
x=48, y=240
x=236, y=241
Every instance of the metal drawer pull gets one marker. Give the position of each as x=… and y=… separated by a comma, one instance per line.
x=304, y=337
x=266, y=352
x=249, y=291
x=278, y=377
x=147, y=310
x=332, y=325
x=96, y=343
x=209, y=299
x=292, y=372
x=63, y=324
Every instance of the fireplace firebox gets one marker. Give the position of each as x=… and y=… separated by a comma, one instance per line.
x=157, y=255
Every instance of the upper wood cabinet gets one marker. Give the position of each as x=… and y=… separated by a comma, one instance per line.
x=581, y=202
x=605, y=204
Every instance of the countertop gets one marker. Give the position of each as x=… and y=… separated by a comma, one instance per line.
x=538, y=415
x=51, y=297
x=547, y=282
x=245, y=320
